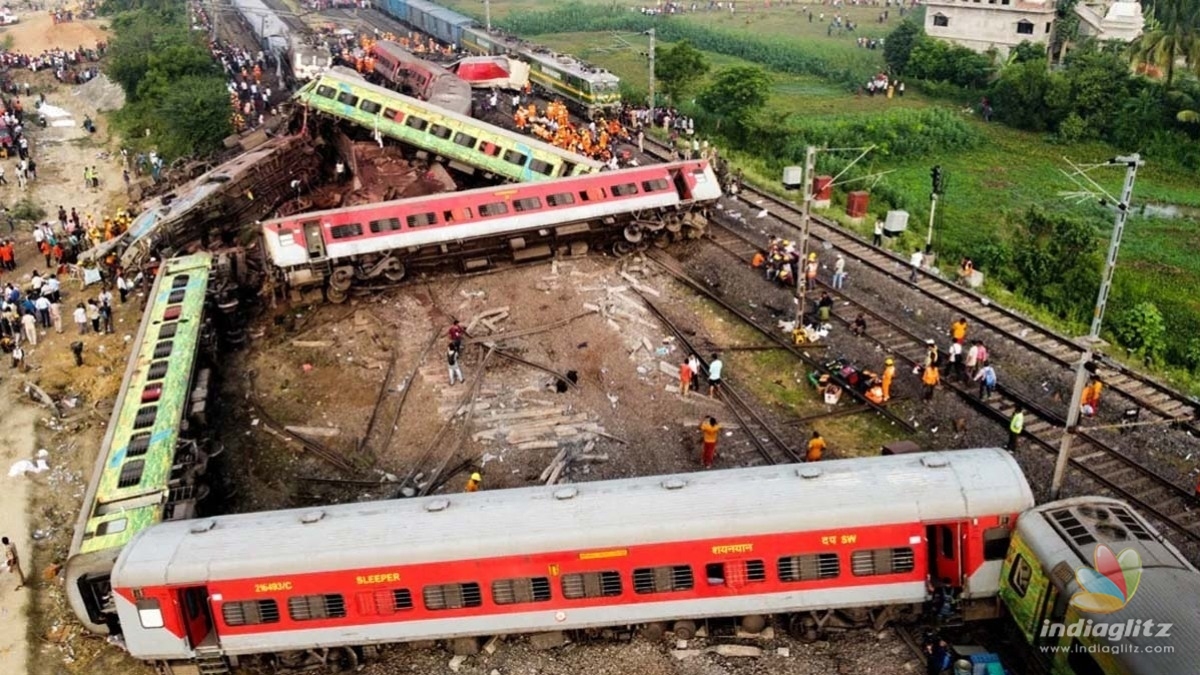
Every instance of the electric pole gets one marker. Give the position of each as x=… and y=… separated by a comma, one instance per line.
x=1131, y=164
x=810, y=170
x=651, y=97
x=487, y=14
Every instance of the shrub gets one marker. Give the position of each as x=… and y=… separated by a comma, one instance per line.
x=1142, y=331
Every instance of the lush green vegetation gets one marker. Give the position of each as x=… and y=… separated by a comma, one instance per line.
x=176, y=100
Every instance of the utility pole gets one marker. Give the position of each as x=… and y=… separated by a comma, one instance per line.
x=810, y=171
x=487, y=14
x=651, y=97
x=1131, y=164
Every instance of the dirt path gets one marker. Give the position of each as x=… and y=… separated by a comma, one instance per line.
x=16, y=443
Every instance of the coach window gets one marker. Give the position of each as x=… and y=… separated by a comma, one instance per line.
x=348, y=99
x=131, y=473
x=250, y=612
x=656, y=185
x=452, y=596
x=177, y=295
x=138, y=445
x=326, y=92
x=995, y=543
x=158, y=370
x=369, y=106
x=561, y=199
x=514, y=157
x=441, y=131
x=145, y=417
x=393, y=114
x=385, y=602
x=591, y=585
x=309, y=607
x=167, y=331
x=1019, y=575
x=385, y=225
x=416, y=123
x=947, y=537
x=489, y=149
x=808, y=567
x=538, y=166
x=465, y=140
x=735, y=573
x=421, y=219
x=345, y=231
x=493, y=209
x=520, y=590
x=527, y=204
x=881, y=561
x=665, y=579
x=150, y=613
x=624, y=190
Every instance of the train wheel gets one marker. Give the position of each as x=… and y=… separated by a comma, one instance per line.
x=654, y=631
x=633, y=234
x=342, y=278
x=394, y=271
x=684, y=630
x=336, y=295
x=622, y=248
x=754, y=623
x=674, y=225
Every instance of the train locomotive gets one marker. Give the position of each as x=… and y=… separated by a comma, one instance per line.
x=843, y=543
x=588, y=90
x=622, y=209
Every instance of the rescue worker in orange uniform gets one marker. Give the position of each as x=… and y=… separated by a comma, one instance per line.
x=889, y=373
x=958, y=330
x=474, y=482
x=1090, y=404
x=816, y=446
x=930, y=378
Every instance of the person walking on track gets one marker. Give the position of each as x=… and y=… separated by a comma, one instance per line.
x=710, y=429
x=816, y=447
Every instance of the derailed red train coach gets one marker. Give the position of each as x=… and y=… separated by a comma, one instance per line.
x=476, y=228
x=845, y=542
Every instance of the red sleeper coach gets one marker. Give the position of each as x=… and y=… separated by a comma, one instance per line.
x=841, y=543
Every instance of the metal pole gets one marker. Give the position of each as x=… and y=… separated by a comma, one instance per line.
x=933, y=199
x=810, y=169
x=651, y=97
x=1131, y=164
x=487, y=14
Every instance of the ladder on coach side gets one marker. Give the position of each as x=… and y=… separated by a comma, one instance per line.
x=209, y=661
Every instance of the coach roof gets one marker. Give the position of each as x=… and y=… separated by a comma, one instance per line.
x=911, y=488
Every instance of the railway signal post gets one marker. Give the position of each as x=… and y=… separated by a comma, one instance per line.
x=939, y=184
x=650, y=98
x=1131, y=164
x=810, y=170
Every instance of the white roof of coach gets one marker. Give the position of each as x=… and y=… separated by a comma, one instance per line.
x=731, y=503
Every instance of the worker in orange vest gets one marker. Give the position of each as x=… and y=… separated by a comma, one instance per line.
x=474, y=482
x=889, y=373
x=1090, y=404
x=930, y=378
x=816, y=446
x=958, y=330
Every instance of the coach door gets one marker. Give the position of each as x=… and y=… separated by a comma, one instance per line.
x=197, y=614
x=314, y=241
x=945, y=552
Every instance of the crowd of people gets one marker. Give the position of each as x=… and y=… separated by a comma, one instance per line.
x=883, y=85
x=553, y=125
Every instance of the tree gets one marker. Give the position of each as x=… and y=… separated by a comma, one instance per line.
x=679, y=68
x=736, y=94
x=1025, y=52
x=1057, y=262
x=1142, y=331
x=199, y=114
x=1175, y=35
x=899, y=45
x=1098, y=84
x=1028, y=96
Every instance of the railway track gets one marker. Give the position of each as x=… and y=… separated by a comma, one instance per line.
x=1101, y=461
x=1154, y=397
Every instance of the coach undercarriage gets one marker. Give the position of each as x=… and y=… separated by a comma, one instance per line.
x=619, y=235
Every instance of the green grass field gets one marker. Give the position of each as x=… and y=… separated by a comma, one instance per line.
x=1006, y=173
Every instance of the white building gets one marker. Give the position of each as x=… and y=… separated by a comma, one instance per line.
x=983, y=24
